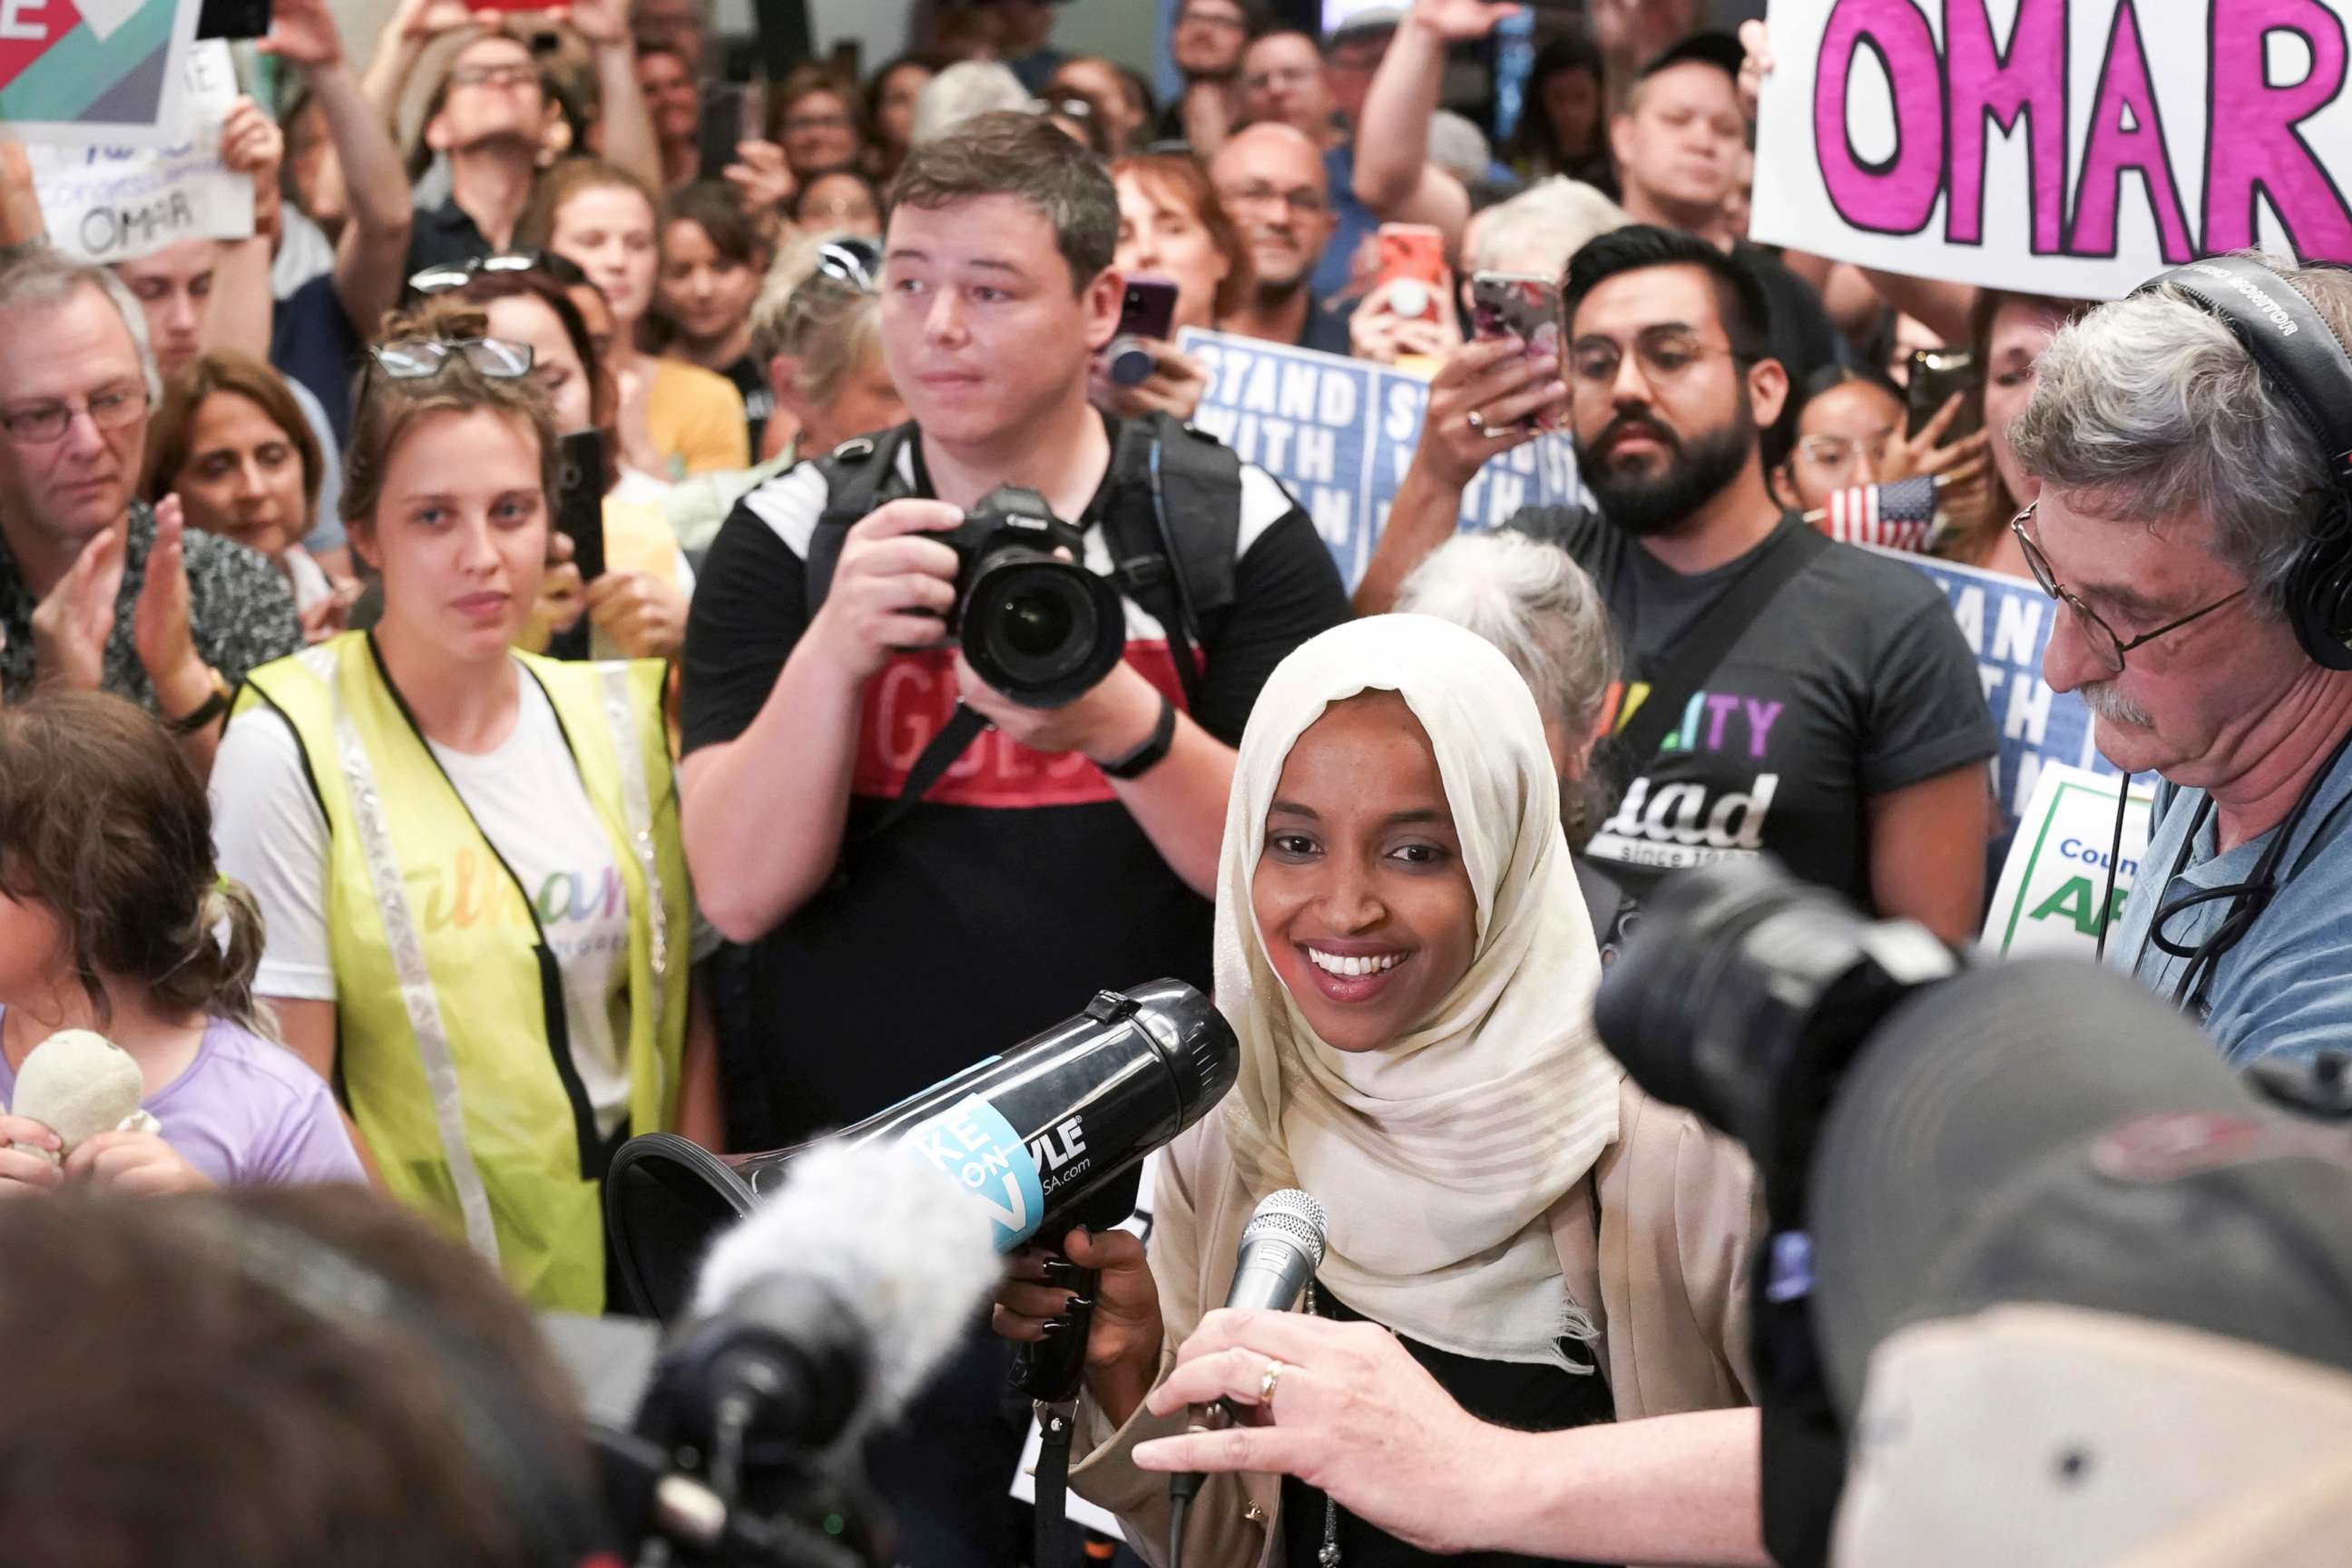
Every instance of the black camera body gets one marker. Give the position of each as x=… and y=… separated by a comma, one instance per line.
x=1042, y=629
x=1745, y=999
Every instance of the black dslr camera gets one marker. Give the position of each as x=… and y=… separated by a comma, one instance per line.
x=1041, y=629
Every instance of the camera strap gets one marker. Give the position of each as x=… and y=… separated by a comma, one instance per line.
x=1695, y=659
x=963, y=727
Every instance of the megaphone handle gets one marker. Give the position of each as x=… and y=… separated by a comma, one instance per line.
x=1048, y=1371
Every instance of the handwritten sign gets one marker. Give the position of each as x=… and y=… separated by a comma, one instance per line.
x=2071, y=147
x=1339, y=434
x=105, y=204
x=2048, y=895
x=95, y=70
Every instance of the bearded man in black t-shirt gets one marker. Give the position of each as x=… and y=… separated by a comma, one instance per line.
x=1844, y=730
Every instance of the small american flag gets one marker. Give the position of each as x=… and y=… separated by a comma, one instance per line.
x=1899, y=516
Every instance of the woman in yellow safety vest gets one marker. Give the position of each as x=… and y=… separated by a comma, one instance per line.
x=478, y=918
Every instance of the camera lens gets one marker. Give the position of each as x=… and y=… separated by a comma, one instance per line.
x=1038, y=627
x=1036, y=624
x=1041, y=630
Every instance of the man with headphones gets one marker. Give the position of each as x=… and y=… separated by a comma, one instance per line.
x=2194, y=444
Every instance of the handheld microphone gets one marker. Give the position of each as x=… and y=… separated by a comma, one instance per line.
x=1280, y=1250
x=1047, y=1135
x=814, y=1321
x=836, y=1299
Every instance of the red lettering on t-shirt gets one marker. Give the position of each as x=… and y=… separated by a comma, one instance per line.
x=913, y=696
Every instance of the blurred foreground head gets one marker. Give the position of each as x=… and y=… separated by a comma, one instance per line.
x=271, y=1378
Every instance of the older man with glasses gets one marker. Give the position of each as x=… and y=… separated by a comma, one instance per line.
x=97, y=590
x=2190, y=512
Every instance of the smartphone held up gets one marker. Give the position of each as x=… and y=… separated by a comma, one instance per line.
x=1523, y=306
x=1146, y=315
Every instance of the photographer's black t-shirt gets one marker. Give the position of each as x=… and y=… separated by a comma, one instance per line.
x=1020, y=886
x=1853, y=683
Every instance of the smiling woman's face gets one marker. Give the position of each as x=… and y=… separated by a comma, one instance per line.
x=1360, y=894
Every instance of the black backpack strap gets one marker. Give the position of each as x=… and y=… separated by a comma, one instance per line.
x=1173, y=526
x=859, y=475
x=1697, y=657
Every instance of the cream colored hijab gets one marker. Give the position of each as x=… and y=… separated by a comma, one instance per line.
x=1439, y=1155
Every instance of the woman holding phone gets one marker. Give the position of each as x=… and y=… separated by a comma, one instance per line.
x=635, y=595
x=467, y=859
x=1172, y=228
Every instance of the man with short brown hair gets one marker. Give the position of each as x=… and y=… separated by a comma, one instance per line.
x=895, y=938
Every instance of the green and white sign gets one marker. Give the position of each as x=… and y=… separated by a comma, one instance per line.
x=2047, y=900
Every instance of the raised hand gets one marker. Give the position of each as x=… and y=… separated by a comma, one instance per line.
x=1459, y=21
x=602, y=23
x=251, y=142
x=1754, y=65
x=303, y=32
x=71, y=626
x=160, y=627
x=419, y=21
x=761, y=177
x=1483, y=400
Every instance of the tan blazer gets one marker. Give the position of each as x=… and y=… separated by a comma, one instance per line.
x=1661, y=1272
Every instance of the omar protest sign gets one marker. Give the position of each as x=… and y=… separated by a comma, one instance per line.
x=95, y=70
x=107, y=204
x=2063, y=147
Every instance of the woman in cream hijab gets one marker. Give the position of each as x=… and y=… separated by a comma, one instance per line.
x=1403, y=948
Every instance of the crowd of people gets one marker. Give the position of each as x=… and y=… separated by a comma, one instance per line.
x=475, y=688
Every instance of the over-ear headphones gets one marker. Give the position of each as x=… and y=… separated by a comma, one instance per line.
x=2302, y=359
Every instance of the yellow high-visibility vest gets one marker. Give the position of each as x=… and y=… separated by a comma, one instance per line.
x=452, y=1055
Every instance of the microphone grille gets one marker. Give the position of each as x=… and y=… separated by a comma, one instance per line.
x=1292, y=1213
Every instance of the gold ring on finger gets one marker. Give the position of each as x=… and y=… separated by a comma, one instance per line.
x=1266, y=1385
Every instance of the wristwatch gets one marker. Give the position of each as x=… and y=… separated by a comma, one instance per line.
x=204, y=712
x=1151, y=753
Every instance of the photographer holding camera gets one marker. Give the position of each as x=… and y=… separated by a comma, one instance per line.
x=1061, y=835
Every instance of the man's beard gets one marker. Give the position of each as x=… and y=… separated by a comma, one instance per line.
x=1695, y=473
x=1272, y=293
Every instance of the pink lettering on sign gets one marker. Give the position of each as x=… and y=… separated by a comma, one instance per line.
x=2028, y=81
x=2127, y=134
x=1895, y=195
x=2252, y=146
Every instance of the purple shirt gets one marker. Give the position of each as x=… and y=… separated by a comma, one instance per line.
x=246, y=1113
